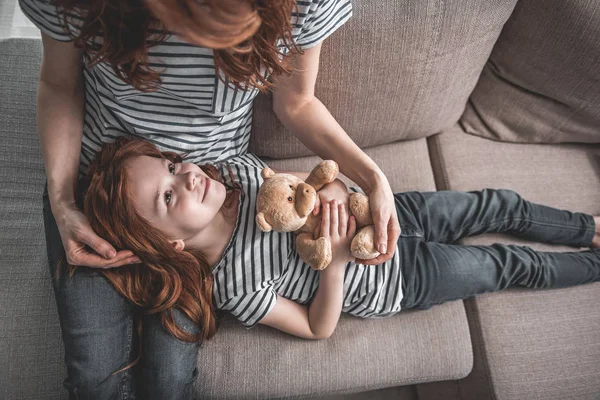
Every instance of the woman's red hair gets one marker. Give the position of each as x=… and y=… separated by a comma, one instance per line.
x=166, y=278
x=243, y=34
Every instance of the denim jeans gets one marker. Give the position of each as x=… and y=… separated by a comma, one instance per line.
x=436, y=270
x=100, y=338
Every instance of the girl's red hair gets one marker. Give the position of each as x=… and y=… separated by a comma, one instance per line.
x=166, y=278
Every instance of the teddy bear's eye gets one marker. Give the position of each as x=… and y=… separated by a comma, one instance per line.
x=290, y=199
x=291, y=187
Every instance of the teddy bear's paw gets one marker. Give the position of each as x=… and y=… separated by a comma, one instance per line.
x=330, y=167
x=322, y=254
x=363, y=244
x=359, y=207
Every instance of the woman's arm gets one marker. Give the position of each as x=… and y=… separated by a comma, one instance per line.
x=300, y=111
x=60, y=118
x=60, y=113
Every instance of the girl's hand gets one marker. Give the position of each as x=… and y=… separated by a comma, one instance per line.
x=387, y=227
x=76, y=232
x=336, y=190
x=339, y=229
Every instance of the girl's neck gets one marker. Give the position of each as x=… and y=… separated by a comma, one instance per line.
x=213, y=240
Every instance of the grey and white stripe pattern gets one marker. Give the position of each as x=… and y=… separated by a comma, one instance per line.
x=193, y=113
x=257, y=265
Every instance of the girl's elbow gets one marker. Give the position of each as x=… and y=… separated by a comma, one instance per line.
x=321, y=335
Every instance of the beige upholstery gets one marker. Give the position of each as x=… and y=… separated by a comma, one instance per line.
x=395, y=70
x=362, y=354
x=542, y=82
x=405, y=163
x=527, y=344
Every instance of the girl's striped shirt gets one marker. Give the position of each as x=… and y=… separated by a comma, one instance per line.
x=193, y=111
x=256, y=265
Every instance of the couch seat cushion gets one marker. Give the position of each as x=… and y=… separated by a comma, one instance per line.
x=542, y=344
x=362, y=354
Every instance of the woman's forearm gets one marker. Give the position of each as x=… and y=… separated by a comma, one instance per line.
x=318, y=130
x=60, y=128
x=324, y=312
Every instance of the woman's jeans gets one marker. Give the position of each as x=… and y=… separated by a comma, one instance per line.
x=100, y=338
x=435, y=270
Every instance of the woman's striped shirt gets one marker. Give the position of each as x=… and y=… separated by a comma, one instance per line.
x=193, y=111
x=256, y=265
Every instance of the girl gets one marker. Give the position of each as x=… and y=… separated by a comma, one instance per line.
x=182, y=74
x=194, y=225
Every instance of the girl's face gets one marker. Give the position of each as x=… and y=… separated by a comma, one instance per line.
x=179, y=199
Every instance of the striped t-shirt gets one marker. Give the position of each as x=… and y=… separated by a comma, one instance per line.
x=256, y=265
x=193, y=111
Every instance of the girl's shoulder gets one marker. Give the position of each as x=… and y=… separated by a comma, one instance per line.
x=244, y=170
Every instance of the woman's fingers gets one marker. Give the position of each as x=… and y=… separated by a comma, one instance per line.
x=81, y=257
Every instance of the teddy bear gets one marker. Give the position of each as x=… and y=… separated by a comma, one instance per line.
x=285, y=204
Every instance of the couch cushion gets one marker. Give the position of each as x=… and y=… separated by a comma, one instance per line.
x=542, y=82
x=362, y=354
x=542, y=344
x=31, y=350
x=395, y=70
x=406, y=164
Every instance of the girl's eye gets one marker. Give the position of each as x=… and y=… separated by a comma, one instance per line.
x=168, y=197
x=172, y=169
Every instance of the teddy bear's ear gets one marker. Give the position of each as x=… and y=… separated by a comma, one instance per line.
x=266, y=173
x=262, y=223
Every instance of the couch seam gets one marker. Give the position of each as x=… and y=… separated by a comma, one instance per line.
x=440, y=177
x=479, y=333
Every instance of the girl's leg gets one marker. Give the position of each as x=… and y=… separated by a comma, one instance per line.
x=435, y=273
x=96, y=324
x=447, y=216
x=168, y=365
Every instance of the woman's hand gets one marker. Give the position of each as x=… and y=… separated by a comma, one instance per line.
x=339, y=229
x=385, y=218
x=76, y=232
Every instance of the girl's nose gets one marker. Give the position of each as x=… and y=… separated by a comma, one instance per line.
x=191, y=181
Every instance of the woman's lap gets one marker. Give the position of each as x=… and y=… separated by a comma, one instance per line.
x=98, y=330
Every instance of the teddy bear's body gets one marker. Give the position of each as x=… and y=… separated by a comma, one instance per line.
x=285, y=204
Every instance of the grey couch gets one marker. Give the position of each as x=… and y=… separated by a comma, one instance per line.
x=458, y=94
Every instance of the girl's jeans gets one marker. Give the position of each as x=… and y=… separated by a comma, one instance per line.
x=435, y=270
x=98, y=331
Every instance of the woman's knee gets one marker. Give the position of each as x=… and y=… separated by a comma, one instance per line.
x=165, y=357
x=97, y=380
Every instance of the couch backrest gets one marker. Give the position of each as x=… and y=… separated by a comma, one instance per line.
x=542, y=82
x=396, y=70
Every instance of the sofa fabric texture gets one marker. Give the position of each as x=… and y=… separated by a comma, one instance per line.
x=542, y=81
x=31, y=349
x=408, y=78
x=541, y=344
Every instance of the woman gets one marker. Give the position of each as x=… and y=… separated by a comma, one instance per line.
x=181, y=217
x=182, y=74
